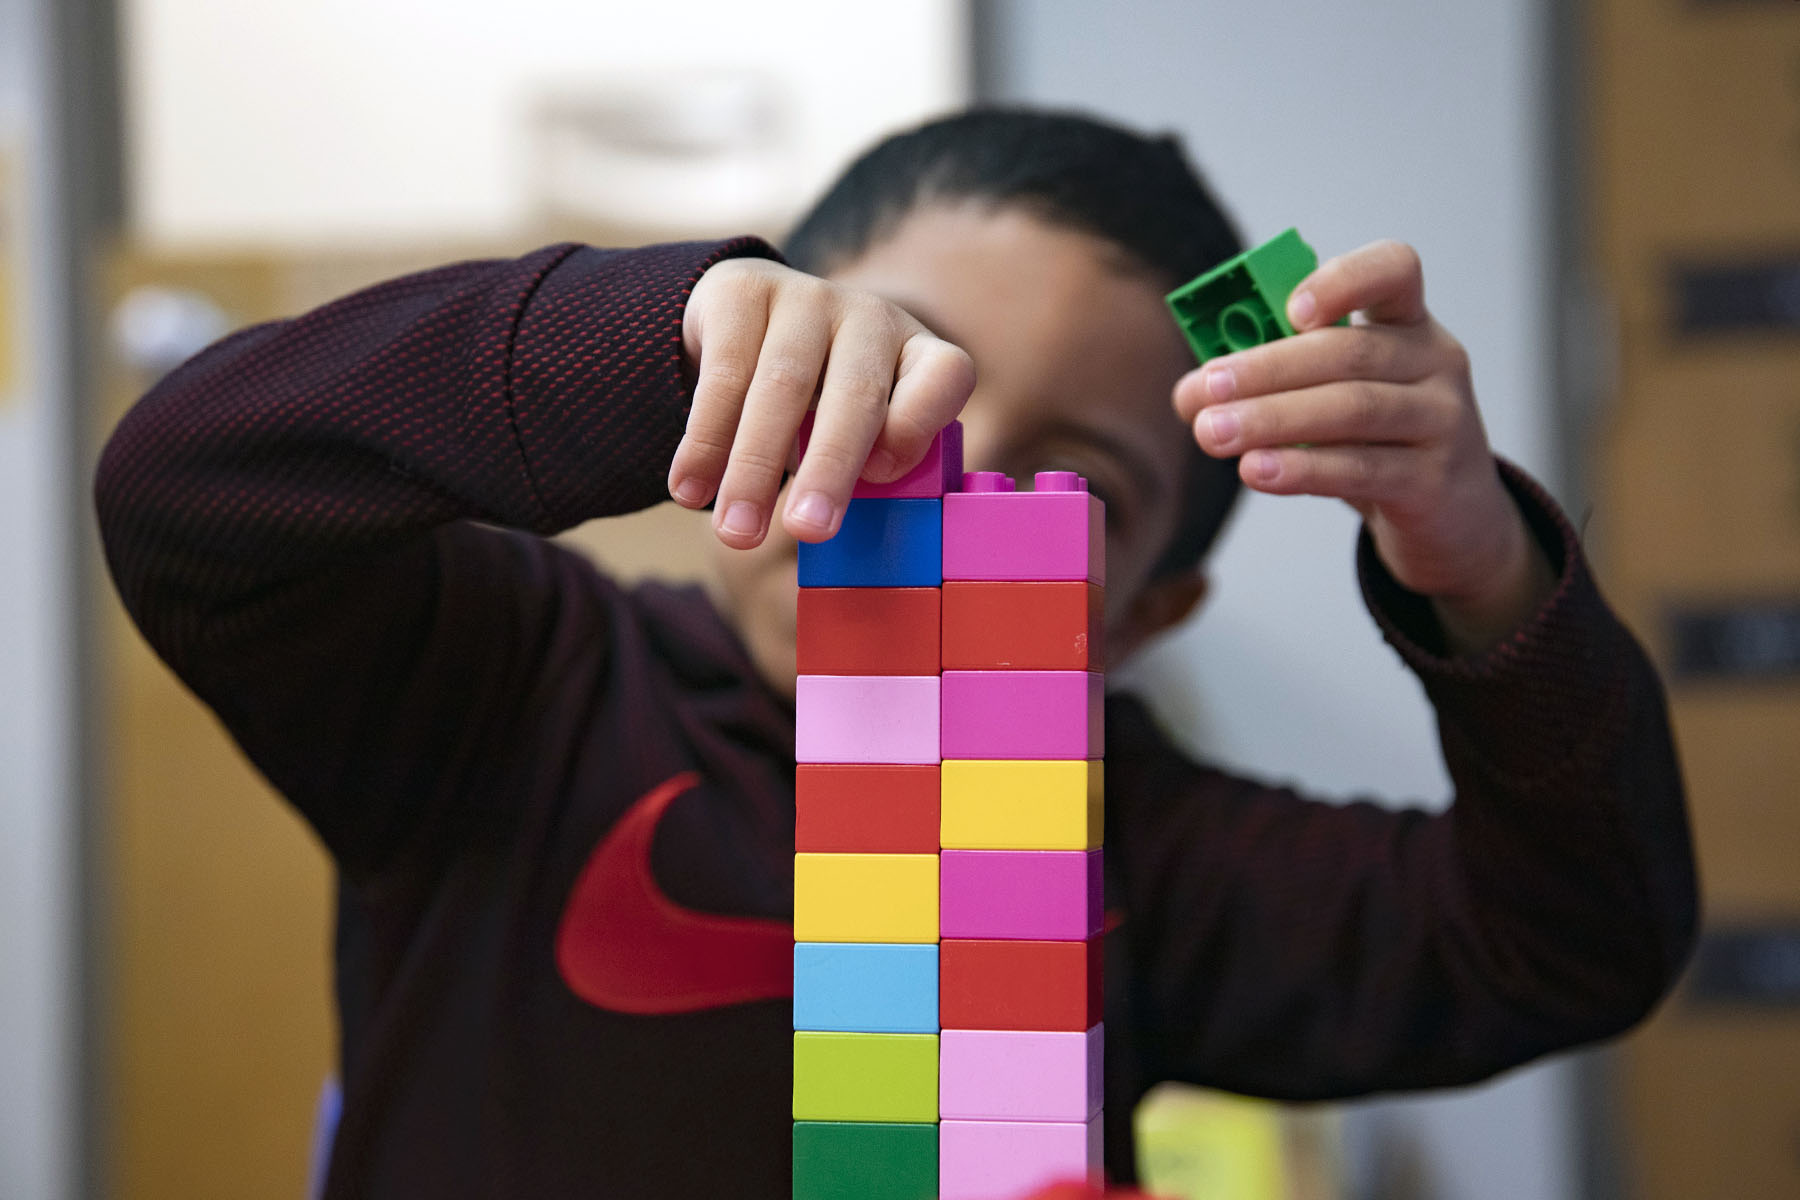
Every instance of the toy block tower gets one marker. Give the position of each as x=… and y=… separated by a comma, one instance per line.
x=867, y=733
x=1019, y=1078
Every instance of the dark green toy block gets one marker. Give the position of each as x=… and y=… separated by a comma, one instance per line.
x=1243, y=303
x=842, y=1160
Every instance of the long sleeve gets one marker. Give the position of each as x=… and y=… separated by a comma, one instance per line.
x=308, y=520
x=1285, y=947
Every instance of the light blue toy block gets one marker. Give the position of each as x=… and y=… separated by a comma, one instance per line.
x=859, y=987
x=882, y=543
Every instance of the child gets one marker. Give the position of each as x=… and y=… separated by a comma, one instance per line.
x=562, y=812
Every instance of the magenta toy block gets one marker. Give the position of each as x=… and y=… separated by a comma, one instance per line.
x=1024, y=714
x=1003, y=1160
x=1056, y=532
x=940, y=471
x=866, y=719
x=1013, y=1075
x=1046, y=895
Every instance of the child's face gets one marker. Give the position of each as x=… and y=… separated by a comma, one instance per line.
x=1075, y=356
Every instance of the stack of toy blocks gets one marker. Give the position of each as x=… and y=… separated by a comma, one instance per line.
x=1022, y=794
x=947, y=883
x=866, y=843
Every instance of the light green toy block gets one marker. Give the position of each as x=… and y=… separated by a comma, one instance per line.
x=866, y=1077
x=1243, y=302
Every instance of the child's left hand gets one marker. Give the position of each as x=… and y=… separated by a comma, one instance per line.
x=1382, y=415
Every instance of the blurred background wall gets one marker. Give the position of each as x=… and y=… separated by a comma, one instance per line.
x=1607, y=199
x=427, y=119
x=40, y=933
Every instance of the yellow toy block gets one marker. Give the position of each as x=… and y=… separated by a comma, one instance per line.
x=865, y=897
x=865, y=1077
x=1052, y=804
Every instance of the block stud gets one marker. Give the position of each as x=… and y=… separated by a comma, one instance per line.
x=1058, y=481
x=987, y=481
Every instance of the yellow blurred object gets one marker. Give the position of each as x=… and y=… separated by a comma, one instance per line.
x=1195, y=1144
x=11, y=235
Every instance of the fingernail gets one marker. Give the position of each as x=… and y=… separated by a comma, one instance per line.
x=1223, y=424
x=815, y=509
x=881, y=464
x=742, y=519
x=689, y=491
x=1301, y=307
x=1221, y=383
x=1264, y=467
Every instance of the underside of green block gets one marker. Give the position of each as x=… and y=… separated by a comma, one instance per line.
x=866, y=1077
x=836, y=1160
x=1243, y=302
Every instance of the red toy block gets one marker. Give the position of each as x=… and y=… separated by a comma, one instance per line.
x=1056, y=531
x=857, y=809
x=1023, y=626
x=868, y=631
x=940, y=471
x=986, y=984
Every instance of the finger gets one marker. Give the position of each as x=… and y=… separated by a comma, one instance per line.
x=1321, y=356
x=853, y=400
x=1363, y=475
x=1384, y=279
x=935, y=380
x=787, y=375
x=730, y=347
x=1332, y=414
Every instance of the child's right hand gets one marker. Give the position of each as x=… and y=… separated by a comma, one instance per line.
x=761, y=341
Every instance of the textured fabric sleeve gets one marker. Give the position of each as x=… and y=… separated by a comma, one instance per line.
x=308, y=520
x=1286, y=947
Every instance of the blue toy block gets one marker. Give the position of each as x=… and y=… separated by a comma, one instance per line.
x=857, y=987
x=882, y=543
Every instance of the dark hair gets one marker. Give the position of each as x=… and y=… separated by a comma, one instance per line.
x=1139, y=193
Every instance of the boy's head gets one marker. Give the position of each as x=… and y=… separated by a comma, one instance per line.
x=1041, y=243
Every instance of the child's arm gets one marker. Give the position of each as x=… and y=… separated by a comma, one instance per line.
x=1291, y=948
x=292, y=516
x=1382, y=415
x=1281, y=946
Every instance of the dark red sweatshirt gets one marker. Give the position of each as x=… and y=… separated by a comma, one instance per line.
x=562, y=812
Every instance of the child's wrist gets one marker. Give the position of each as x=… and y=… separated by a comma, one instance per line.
x=1477, y=620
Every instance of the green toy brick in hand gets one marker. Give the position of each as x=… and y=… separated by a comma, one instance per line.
x=1243, y=302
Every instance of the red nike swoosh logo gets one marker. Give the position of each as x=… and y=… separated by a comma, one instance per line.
x=623, y=945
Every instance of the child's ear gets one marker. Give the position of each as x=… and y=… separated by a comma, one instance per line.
x=1164, y=603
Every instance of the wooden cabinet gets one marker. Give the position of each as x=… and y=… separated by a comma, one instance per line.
x=1694, y=208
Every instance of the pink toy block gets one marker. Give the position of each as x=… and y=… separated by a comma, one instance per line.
x=866, y=719
x=1057, y=531
x=1003, y=1160
x=940, y=471
x=1024, y=714
x=1046, y=895
x=1012, y=1075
